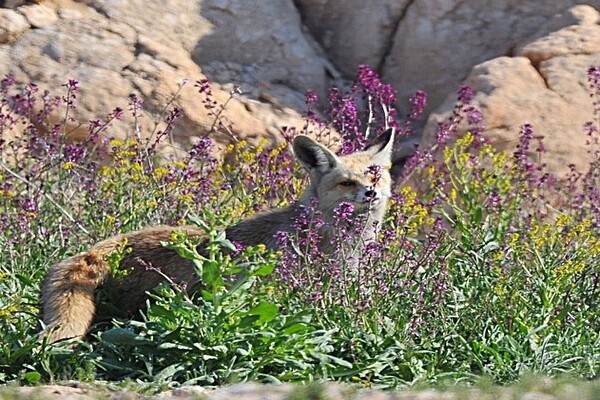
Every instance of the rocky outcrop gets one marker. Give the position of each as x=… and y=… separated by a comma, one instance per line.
x=528, y=56
x=543, y=84
x=429, y=45
x=114, y=49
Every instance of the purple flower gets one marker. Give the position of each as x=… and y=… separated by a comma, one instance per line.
x=474, y=116
x=6, y=82
x=202, y=148
x=343, y=212
x=465, y=94
x=387, y=95
x=418, y=102
x=374, y=171
x=203, y=86
x=311, y=98
x=368, y=78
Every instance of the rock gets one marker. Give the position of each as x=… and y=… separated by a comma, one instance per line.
x=439, y=41
x=353, y=32
x=113, y=50
x=545, y=85
x=580, y=38
x=39, y=15
x=12, y=25
x=267, y=34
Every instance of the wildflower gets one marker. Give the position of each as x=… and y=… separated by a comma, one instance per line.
x=374, y=171
x=203, y=86
x=465, y=94
x=135, y=103
x=116, y=143
x=442, y=133
x=311, y=98
x=387, y=96
x=368, y=78
x=343, y=212
x=202, y=148
x=418, y=102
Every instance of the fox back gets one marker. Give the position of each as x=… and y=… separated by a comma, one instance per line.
x=69, y=288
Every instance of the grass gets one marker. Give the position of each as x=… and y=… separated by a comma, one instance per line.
x=486, y=266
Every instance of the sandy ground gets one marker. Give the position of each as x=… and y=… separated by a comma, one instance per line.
x=541, y=390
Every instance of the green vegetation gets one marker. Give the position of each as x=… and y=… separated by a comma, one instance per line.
x=485, y=266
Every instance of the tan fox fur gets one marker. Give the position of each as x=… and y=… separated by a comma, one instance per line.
x=68, y=290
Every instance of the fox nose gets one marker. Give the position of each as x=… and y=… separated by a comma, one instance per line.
x=370, y=194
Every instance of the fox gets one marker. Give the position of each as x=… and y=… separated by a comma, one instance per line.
x=69, y=288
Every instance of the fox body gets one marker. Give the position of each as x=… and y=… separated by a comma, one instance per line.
x=68, y=290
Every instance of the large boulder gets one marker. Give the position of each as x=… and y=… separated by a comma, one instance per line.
x=429, y=45
x=150, y=48
x=544, y=84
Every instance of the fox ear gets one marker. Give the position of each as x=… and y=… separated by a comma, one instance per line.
x=313, y=156
x=381, y=147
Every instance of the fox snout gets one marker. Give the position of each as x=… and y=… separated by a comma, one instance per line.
x=370, y=195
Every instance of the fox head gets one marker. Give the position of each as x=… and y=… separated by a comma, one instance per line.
x=362, y=178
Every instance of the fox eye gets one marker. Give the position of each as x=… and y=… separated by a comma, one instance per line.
x=347, y=183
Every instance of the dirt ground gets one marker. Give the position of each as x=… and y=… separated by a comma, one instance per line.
x=541, y=389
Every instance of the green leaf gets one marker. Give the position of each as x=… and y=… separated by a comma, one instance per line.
x=196, y=220
x=328, y=359
x=263, y=270
x=478, y=215
x=167, y=373
x=248, y=320
x=295, y=328
x=124, y=336
x=32, y=377
x=183, y=251
x=160, y=311
x=265, y=311
x=211, y=276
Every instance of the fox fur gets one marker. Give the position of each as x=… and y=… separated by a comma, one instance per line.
x=69, y=288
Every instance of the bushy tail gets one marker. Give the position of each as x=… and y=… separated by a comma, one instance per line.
x=69, y=303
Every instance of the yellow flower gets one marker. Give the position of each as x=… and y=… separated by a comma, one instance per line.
x=107, y=171
x=487, y=149
x=186, y=198
x=463, y=158
x=5, y=313
x=466, y=140
x=567, y=270
x=563, y=220
x=431, y=170
x=67, y=165
x=453, y=193
x=116, y=143
x=514, y=238
x=447, y=154
x=159, y=172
